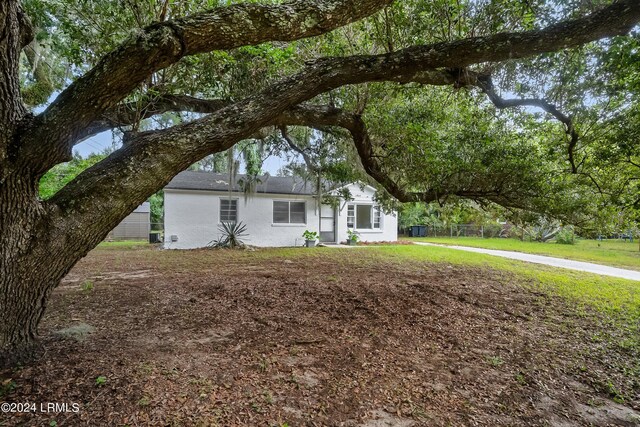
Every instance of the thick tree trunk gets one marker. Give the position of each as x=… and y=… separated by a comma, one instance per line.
x=10, y=46
x=28, y=271
x=23, y=307
x=39, y=244
x=24, y=283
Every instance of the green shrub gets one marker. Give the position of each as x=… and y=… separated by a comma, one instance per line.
x=353, y=235
x=566, y=236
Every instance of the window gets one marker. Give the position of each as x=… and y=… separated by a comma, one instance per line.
x=351, y=216
x=363, y=217
x=376, y=217
x=289, y=212
x=228, y=210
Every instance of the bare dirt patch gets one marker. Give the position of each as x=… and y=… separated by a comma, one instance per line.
x=319, y=338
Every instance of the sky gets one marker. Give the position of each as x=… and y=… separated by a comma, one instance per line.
x=98, y=143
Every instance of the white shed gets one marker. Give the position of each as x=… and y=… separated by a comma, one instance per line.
x=136, y=226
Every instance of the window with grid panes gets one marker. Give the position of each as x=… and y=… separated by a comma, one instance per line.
x=228, y=210
x=289, y=212
x=351, y=216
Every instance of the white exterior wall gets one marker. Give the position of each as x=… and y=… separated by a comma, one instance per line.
x=194, y=217
x=388, y=231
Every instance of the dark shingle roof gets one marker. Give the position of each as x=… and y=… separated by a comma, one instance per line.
x=190, y=180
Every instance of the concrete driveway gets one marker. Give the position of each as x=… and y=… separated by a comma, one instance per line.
x=547, y=260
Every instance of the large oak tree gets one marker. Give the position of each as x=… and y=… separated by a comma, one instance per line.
x=41, y=240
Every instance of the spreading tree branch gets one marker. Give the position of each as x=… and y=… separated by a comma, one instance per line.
x=125, y=115
x=487, y=87
x=128, y=114
x=163, y=44
x=467, y=78
x=425, y=64
x=319, y=117
x=307, y=159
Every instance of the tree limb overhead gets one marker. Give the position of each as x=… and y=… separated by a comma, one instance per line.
x=305, y=156
x=319, y=117
x=427, y=64
x=463, y=77
x=130, y=113
x=163, y=44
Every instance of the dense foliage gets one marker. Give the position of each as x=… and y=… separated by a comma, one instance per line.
x=63, y=173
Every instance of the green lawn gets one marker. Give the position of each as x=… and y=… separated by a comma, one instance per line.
x=125, y=244
x=606, y=294
x=612, y=295
x=609, y=252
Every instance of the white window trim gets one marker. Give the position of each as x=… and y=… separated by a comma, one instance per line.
x=220, y=209
x=289, y=224
x=351, y=205
x=355, y=217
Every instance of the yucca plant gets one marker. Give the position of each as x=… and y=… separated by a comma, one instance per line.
x=232, y=234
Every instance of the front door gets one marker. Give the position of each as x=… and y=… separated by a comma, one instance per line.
x=327, y=224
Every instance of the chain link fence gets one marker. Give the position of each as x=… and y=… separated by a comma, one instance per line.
x=458, y=230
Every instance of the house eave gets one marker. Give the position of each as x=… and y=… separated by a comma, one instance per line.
x=235, y=193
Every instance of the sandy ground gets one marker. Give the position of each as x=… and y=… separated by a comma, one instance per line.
x=222, y=338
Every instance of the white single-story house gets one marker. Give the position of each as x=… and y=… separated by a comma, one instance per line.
x=276, y=214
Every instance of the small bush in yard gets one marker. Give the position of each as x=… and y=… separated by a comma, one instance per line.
x=310, y=235
x=566, y=236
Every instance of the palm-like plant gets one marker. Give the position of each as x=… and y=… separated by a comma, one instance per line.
x=232, y=234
